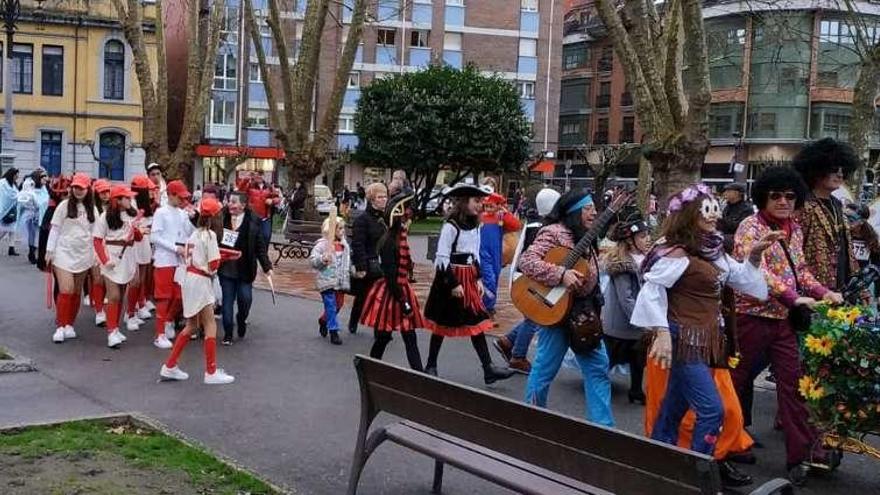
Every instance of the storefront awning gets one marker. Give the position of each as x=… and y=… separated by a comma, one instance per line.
x=207, y=150
x=543, y=166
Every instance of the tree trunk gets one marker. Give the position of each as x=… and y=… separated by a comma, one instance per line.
x=862, y=121
x=305, y=167
x=678, y=168
x=646, y=174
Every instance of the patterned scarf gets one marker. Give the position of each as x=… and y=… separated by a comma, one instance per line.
x=711, y=249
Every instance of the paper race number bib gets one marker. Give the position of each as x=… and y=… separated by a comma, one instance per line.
x=230, y=237
x=860, y=249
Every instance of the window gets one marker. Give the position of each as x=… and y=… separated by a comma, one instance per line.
x=626, y=99
x=836, y=32
x=790, y=80
x=606, y=61
x=386, y=37
x=114, y=70
x=827, y=79
x=254, y=73
x=50, y=152
x=574, y=95
x=762, y=122
x=222, y=112
x=836, y=125
x=111, y=156
x=601, y=136
x=258, y=118
x=526, y=90
x=418, y=39
x=571, y=128
x=603, y=99
x=354, y=80
x=529, y=5
x=53, y=70
x=628, y=131
x=575, y=56
x=528, y=48
x=225, y=72
x=346, y=124
x=452, y=42
x=22, y=68
x=229, y=22
x=460, y=3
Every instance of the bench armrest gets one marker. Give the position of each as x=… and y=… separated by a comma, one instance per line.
x=777, y=486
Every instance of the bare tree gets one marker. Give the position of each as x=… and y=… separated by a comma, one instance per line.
x=203, y=22
x=665, y=62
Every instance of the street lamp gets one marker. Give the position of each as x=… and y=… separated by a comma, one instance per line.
x=737, y=165
x=10, y=10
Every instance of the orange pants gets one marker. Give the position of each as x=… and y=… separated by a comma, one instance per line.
x=733, y=438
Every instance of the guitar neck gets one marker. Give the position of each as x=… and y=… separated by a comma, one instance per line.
x=599, y=224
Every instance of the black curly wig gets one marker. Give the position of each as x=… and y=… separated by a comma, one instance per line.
x=823, y=157
x=779, y=179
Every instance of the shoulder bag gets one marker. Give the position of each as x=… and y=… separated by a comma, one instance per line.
x=800, y=317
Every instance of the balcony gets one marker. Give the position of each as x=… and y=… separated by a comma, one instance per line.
x=259, y=137
x=603, y=101
x=221, y=131
x=386, y=55
x=600, y=137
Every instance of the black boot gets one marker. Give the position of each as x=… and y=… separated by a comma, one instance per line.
x=335, y=339
x=242, y=329
x=32, y=255
x=492, y=373
x=12, y=251
x=636, y=396
x=322, y=327
x=733, y=477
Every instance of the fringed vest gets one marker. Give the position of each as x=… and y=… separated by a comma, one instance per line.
x=695, y=307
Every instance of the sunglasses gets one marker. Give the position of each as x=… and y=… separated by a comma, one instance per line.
x=776, y=196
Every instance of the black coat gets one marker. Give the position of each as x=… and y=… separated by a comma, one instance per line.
x=252, y=245
x=367, y=230
x=731, y=218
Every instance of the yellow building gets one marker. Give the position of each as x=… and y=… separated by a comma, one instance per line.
x=76, y=100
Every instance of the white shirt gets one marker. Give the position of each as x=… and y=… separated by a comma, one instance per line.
x=652, y=304
x=468, y=242
x=70, y=240
x=171, y=226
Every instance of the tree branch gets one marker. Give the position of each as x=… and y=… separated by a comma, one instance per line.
x=306, y=69
x=278, y=122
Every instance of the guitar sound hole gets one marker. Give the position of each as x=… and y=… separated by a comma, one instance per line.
x=540, y=297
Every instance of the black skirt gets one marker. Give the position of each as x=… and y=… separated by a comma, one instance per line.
x=451, y=316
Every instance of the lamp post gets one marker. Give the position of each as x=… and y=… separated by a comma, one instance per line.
x=740, y=169
x=10, y=11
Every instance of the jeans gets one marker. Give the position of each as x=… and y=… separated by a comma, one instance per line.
x=234, y=290
x=691, y=385
x=328, y=297
x=266, y=229
x=521, y=337
x=30, y=226
x=552, y=346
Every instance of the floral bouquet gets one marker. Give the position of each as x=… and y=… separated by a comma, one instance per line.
x=841, y=381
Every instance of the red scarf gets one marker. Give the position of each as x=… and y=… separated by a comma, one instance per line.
x=785, y=224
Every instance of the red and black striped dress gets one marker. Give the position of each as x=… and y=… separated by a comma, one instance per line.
x=383, y=311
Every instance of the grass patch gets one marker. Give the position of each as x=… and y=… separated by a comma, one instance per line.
x=139, y=448
x=430, y=225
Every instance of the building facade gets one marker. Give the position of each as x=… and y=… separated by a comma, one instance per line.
x=76, y=101
x=519, y=40
x=782, y=73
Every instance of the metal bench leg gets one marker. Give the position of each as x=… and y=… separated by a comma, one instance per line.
x=438, y=477
x=361, y=454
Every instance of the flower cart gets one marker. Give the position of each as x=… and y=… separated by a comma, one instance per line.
x=841, y=381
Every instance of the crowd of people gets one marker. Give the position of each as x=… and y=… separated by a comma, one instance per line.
x=695, y=308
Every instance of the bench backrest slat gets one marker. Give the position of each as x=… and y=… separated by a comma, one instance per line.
x=609, y=459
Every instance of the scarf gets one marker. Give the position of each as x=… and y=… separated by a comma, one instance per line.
x=711, y=249
x=775, y=223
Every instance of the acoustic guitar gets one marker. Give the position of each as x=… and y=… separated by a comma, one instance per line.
x=547, y=306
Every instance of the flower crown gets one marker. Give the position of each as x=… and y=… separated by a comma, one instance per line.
x=677, y=202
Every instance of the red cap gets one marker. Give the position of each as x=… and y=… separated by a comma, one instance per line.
x=495, y=199
x=209, y=207
x=178, y=188
x=101, y=186
x=59, y=184
x=81, y=180
x=121, y=192
x=142, y=182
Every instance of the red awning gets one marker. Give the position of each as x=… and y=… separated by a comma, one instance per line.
x=247, y=151
x=543, y=166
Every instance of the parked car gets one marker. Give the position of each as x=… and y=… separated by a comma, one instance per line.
x=436, y=204
x=323, y=199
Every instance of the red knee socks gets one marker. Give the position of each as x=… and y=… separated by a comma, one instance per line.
x=161, y=315
x=179, y=343
x=76, y=301
x=112, y=316
x=63, y=307
x=96, y=295
x=210, y=354
x=132, y=300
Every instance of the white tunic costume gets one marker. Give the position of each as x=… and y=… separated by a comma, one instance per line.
x=70, y=240
x=123, y=259
x=198, y=291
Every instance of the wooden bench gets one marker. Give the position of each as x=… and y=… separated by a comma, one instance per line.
x=518, y=446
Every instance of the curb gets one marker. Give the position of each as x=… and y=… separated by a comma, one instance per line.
x=18, y=364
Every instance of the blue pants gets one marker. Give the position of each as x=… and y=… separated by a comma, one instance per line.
x=235, y=291
x=521, y=337
x=490, y=262
x=30, y=225
x=690, y=385
x=552, y=346
x=329, y=299
x=266, y=229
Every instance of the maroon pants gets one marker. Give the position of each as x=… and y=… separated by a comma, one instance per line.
x=775, y=338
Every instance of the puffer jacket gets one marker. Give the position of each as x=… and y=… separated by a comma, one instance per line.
x=620, y=299
x=336, y=275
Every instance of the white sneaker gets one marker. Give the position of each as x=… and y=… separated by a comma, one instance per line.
x=169, y=332
x=162, y=343
x=144, y=314
x=174, y=373
x=149, y=306
x=121, y=335
x=69, y=333
x=100, y=319
x=132, y=325
x=114, y=338
x=58, y=336
x=218, y=378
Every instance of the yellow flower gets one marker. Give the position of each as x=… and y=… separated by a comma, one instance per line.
x=817, y=393
x=810, y=389
x=819, y=345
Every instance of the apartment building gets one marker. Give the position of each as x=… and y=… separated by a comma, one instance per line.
x=518, y=39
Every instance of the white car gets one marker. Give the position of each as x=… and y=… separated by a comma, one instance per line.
x=323, y=199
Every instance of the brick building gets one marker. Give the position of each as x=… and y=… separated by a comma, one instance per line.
x=511, y=38
x=782, y=73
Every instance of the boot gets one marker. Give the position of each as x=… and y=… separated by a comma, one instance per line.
x=335, y=339
x=733, y=477
x=32, y=255
x=12, y=251
x=636, y=396
x=492, y=373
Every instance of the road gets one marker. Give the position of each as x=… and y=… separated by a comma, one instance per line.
x=292, y=414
